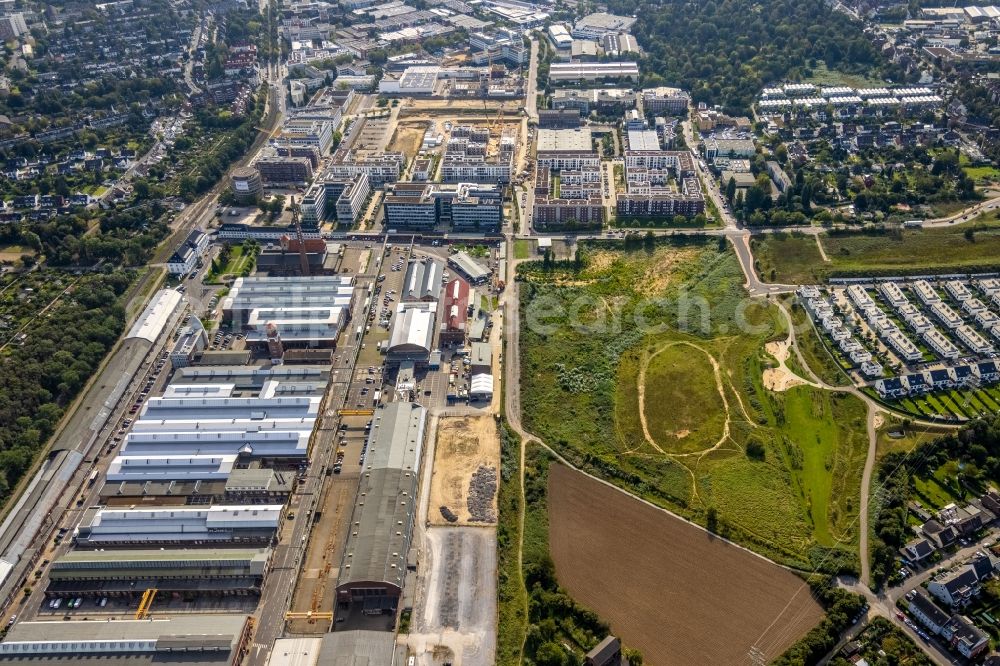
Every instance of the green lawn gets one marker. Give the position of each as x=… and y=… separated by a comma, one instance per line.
x=791, y=258
x=239, y=261
x=523, y=248
x=784, y=482
x=682, y=377
x=795, y=259
x=982, y=173
x=826, y=77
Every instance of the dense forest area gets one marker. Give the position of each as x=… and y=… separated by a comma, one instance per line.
x=725, y=51
x=42, y=376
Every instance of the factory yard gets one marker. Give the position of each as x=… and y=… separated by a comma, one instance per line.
x=464, y=482
x=646, y=573
x=454, y=619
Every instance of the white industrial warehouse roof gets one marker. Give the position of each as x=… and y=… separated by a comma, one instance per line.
x=414, y=326
x=176, y=523
x=643, y=140
x=229, y=408
x=199, y=390
x=171, y=467
x=157, y=314
x=185, y=634
x=196, y=439
x=481, y=384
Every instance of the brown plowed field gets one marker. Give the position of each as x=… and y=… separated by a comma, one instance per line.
x=666, y=587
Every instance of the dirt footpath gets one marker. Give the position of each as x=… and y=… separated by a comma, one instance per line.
x=466, y=464
x=781, y=378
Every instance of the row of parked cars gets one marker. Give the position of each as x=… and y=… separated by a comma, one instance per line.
x=56, y=603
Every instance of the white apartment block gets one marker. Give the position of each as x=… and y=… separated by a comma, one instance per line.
x=860, y=297
x=989, y=286
x=958, y=290
x=353, y=198
x=941, y=345
x=872, y=369
x=903, y=346
x=918, y=322
x=948, y=317
x=987, y=319
x=973, y=340
x=925, y=292
x=973, y=306
x=572, y=160
x=892, y=294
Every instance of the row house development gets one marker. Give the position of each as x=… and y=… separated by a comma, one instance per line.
x=892, y=294
x=973, y=340
x=958, y=290
x=983, y=372
x=860, y=297
x=958, y=631
x=915, y=319
x=973, y=306
x=903, y=346
x=943, y=312
x=941, y=345
x=989, y=286
x=925, y=292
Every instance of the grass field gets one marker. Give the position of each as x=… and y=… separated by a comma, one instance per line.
x=776, y=471
x=523, y=248
x=644, y=571
x=239, y=261
x=795, y=258
x=823, y=76
x=895, y=435
x=682, y=378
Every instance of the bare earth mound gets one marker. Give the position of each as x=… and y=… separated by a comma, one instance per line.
x=464, y=481
x=666, y=587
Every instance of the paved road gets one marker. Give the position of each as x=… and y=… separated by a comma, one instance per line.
x=966, y=215
x=531, y=94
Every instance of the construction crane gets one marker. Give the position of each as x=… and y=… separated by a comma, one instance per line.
x=498, y=120
x=355, y=412
x=309, y=615
x=145, y=603
x=303, y=258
